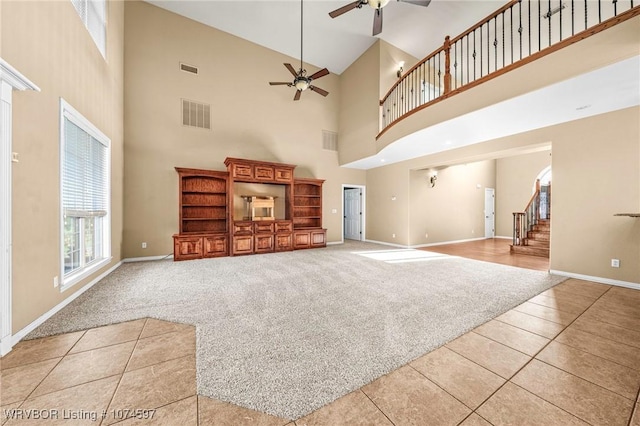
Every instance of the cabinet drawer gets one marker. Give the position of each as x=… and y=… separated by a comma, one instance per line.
x=263, y=227
x=283, y=175
x=263, y=243
x=242, y=227
x=285, y=226
x=242, y=244
x=242, y=171
x=263, y=173
x=185, y=248
x=215, y=246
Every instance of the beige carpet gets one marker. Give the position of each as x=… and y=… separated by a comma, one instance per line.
x=286, y=333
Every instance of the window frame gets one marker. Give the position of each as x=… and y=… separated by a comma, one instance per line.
x=70, y=279
x=85, y=21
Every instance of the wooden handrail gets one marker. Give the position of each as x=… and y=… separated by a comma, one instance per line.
x=399, y=112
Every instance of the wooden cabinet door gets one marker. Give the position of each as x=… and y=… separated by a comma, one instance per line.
x=319, y=238
x=284, y=242
x=284, y=226
x=301, y=239
x=242, y=244
x=185, y=248
x=263, y=243
x=215, y=246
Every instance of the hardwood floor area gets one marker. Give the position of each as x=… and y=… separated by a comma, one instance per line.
x=495, y=250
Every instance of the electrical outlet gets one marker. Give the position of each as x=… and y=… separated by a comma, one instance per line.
x=615, y=263
x=55, y=282
x=144, y=245
x=393, y=235
x=334, y=211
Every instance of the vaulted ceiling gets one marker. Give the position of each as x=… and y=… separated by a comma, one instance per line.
x=335, y=43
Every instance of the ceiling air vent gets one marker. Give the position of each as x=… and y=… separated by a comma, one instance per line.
x=188, y=68
x=196, y=114
x=329, y=140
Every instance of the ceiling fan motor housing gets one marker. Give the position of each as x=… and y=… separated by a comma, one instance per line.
x=377, y=4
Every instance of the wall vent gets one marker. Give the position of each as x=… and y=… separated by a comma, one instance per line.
x=329, y=140
x=188, y=68
x=196, y=114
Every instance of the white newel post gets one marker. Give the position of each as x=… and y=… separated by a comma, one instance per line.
x=10, y=80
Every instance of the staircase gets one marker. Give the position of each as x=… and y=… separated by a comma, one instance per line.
x=532, y=228
x=536, y=243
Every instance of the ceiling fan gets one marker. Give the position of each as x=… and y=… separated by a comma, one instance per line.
x=301, y=81
x=377, y=5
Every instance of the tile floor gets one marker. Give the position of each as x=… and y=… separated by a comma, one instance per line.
x=570, y=356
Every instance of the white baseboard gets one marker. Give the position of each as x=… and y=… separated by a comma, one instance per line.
x=28, y=329
x=627, y=284
x=386, y=244
x=333, y=243
x=448, y=242
x=147, y=258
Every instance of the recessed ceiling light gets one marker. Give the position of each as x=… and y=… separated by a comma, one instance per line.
x=382, y=160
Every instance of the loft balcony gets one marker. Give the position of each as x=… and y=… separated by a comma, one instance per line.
x=505, y=75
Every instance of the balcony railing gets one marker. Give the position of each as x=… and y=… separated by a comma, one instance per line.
x=518, y=33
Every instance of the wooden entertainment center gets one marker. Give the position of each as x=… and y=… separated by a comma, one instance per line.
x=208, y=226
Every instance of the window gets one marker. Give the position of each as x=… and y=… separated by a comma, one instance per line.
x=93, y=14
x=85, y=177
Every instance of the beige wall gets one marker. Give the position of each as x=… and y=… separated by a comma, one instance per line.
x=48, y=43
x=390, y=56
x=401, y=201
x=358, y=109
x=596, y=173
x=453, y=209
x=250, y=119
x=515, y=178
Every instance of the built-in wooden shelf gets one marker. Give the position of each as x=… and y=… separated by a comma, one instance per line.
x=628, y=214
x=207, y=227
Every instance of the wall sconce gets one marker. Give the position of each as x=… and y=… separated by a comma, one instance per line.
x=400, y=69
x=433, y=179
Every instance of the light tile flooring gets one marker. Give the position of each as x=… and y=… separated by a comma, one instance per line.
x=569, y=356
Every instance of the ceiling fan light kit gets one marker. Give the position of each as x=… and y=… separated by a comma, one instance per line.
x=300, y=80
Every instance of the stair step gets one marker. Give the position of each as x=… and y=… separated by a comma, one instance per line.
x=536, y=243
x=542, y=227
x=530, y=250
x=538, y=235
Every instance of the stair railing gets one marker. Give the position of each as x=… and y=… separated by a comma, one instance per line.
x=518, y=33
x=523, y=222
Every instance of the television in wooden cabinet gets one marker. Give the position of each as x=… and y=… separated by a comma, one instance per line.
x=203, y=211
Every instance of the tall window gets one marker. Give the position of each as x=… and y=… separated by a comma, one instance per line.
x=94, y=16
x=85, y=177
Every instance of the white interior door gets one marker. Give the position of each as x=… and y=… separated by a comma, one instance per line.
x=353, y=214
x=489, y=213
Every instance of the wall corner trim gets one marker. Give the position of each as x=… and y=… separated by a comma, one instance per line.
x=29, y=328
x=601, y=280
x=15, y=78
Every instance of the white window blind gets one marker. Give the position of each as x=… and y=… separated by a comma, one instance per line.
x=85, y=196
x=93, y=14
x=84, y=183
